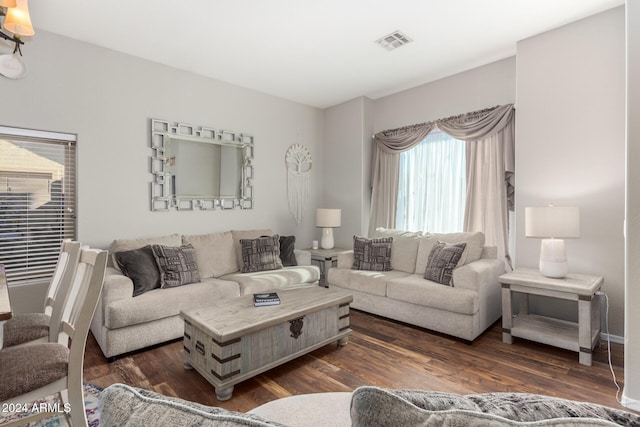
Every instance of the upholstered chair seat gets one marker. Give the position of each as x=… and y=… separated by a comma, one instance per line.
x=19, y=375
x=25, y=327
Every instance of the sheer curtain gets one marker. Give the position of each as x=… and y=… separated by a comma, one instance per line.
x=434, y=197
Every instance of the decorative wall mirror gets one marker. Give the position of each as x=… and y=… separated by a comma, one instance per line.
x=200, y=168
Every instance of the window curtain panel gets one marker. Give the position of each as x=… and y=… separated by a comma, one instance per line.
x=490, y=138
x=385, y=171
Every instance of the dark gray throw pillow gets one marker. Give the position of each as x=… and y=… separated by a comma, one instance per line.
x=372, y=254
x=443, y=258
x=140, y=266
x=178, y=265
x=287, y=248
x=261, y=254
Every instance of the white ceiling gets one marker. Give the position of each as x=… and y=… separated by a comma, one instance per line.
x=316, y=52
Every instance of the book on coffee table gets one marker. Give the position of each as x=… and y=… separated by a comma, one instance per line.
x=267, y=298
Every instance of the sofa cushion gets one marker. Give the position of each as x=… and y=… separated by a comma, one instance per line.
x=372, y=254
x=287, y=251
x=371, y=282
x=416, y=289
x=161, y=303
x=286, y=277
x=404, y=248
x=412, y=408
x=129, y=244
x=215, y=253
x=261, y=254
x=178, y=265
x=141, y=267
x=246, y=234
x=442, y=260
x=122, y=405
x=473, y=251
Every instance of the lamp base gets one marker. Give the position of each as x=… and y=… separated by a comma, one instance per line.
x=326, y=242
x=553, y=258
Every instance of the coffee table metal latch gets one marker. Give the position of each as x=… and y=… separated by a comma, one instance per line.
x=296, y=327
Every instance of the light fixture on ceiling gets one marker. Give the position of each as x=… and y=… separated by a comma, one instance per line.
x=393, y=40
x=17, y=22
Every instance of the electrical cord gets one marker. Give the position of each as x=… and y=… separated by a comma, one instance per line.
x=606, y=323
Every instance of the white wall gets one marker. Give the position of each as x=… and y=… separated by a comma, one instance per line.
x=483, y=87
x=347, y=152
x=631, y=393
x=108, y=98
x=570, y=147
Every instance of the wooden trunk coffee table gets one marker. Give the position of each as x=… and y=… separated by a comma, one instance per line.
x=231, y=340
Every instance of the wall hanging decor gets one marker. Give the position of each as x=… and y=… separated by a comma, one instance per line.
x=298, y=162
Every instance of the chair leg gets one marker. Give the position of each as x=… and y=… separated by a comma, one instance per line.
x=78, y=415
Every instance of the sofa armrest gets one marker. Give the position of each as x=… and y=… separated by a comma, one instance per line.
x=302, y=257
x=478, y=274
x=345, y=259
x=489, y=252
x=117, y=286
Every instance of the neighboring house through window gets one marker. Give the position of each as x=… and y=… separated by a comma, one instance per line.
x=432, y=185
x=37, y=201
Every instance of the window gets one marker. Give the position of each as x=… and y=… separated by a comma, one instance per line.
x=432, y=185
x=37, y=201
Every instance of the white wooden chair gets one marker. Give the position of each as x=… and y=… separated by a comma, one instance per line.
x=29, y=373
x=31, y=328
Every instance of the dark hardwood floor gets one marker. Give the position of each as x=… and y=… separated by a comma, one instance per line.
x=381, y=353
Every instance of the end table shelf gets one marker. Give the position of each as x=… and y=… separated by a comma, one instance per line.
x=580, y=336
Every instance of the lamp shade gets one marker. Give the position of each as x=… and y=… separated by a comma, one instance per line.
x=18, y=20
x=328, y=217
x=560, y=222
x=8, y=3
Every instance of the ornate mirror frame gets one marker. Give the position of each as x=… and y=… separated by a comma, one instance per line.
x=163, y=197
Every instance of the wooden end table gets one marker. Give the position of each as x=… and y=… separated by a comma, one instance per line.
x=581, y=336
x=231, y=340
x=326, y=258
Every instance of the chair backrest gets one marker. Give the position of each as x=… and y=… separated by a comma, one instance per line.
x=58, y=292
x=85, y=291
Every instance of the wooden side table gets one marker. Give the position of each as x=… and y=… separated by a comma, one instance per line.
x=581, y=336
x=325, y=259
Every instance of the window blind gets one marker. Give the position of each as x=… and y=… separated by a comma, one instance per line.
x=37, y=201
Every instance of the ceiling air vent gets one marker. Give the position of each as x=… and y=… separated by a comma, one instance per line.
x=393, y=40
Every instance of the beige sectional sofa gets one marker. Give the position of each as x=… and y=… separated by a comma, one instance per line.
x=463, y=308
x=124, y=323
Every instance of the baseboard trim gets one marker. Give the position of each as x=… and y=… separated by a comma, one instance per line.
x=613, y=338
x=633, y=404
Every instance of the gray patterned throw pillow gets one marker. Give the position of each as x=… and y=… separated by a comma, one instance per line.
x=261, y=254
x=372, y=254
x=178, y=265
x=442, y=260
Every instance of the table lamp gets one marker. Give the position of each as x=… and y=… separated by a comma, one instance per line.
x=552, y=224
x=328, y=219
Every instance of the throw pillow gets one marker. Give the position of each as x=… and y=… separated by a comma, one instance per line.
x=372, y=254
x=442, y=260
x=261, y=254
x=140, y=266
x=178, y=265
x=287, y=254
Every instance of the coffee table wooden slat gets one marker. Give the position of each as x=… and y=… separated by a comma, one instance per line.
x=232, y=340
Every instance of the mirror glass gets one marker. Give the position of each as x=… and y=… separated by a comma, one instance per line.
x=200, y=168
